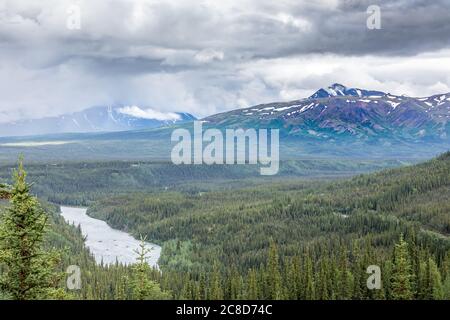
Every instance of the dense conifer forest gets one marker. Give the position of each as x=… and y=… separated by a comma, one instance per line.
x=82, y=183
x=291, y=239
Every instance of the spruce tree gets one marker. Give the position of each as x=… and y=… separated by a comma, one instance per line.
x=252, y=292
x=143, y=288
x=273, y=274
x=235, y=284
x=446, y=289
x=216, y=291
x=121, y=289
x=29, y=271
x=202, y=287
x=291, y=274
x=359, y=273
x=435, y=282
x=308, y=278
x=322, y=283
x=344, y=277
x=401, y=275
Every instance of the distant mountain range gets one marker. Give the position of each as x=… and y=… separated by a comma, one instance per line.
x=95, y=119
x=336, y=122
x=338, y=112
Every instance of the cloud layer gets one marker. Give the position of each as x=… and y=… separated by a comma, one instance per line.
x=204, y=57
x=137, y=112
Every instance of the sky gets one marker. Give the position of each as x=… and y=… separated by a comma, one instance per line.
x=205, y=57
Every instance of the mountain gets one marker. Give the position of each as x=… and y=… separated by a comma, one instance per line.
x=340, y=90
x=95, y=119
x=335, y=122
x=340, y=112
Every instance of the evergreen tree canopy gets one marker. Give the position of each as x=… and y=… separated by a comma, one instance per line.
x=401, y=273
x=29, y=272
x=143, y=288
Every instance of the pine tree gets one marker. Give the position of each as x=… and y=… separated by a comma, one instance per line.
x=273, y=274
x=297, y=277
x=344, y=277
x=252, y=292
x=235, y=284
x=291, y=274
x=322, y=283
x=121, y=289
x=435, y=283
x=186, y=293
x=423, y=284
x=359, y=274
x=415, y=261
x=29, y=270
x=216, y=292
x=386, y=279
x=401, y=275
x=308, y=278
x=202, y=287
x=446, y=277
x=142, y=287
x=446, y=289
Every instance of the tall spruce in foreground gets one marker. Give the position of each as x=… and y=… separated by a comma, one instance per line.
x=401, y=276
x=143, y=288
x=28, y=271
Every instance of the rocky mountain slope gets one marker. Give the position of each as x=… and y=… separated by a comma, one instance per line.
x=338, y=112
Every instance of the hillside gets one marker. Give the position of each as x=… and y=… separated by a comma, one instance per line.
x=282, y=240
x=314, y=240
x=235, y=226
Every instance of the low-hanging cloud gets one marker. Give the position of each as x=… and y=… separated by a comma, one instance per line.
x=148, y=113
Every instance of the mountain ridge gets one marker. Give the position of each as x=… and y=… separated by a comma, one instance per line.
x=95, y=119
x=378, y=126
x=338, y=111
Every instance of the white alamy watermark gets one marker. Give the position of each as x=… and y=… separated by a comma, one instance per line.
x=74, y=277
x=374, y=280
x=373, y=21
x=239, y=146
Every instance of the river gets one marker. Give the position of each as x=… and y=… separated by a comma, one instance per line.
x=106, y=243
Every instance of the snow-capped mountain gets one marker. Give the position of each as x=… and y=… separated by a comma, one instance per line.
x=340, y=90
x=96, y=119
x=338, y=111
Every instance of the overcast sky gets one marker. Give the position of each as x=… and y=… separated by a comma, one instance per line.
x=205, y=57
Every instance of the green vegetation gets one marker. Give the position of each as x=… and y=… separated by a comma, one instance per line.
x=36, y=247
x=142, y=287
x=263, y=239
x=330, y=231
x=29, y=272
x=83, y=183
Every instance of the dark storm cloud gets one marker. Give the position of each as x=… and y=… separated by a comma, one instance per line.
x=208, y=56
x=247, y=29
x=408, y=27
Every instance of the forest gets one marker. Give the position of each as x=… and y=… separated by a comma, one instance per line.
x=82, y=183
x=297, y=238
